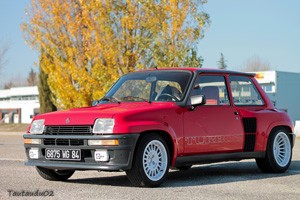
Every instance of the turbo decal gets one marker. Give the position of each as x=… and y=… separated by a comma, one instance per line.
x=219, y=139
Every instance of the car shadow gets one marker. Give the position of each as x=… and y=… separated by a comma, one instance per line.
x=200, y=175
x=121, y=180
x=224, y=173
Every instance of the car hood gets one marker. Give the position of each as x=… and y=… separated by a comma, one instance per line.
x=88, y=115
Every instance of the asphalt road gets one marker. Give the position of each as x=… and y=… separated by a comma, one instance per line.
x=231, y=180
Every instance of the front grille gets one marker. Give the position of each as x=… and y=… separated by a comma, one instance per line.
x=249, y=124
x=68, y=130
x=64, y=142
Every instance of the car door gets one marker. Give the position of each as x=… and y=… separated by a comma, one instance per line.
x=214, y=127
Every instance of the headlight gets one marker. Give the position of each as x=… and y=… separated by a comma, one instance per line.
x=37, y=126
x=103, y=126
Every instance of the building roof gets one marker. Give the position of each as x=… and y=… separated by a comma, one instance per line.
x=19, y=91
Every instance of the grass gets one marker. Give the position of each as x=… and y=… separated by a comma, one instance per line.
x=13, y=127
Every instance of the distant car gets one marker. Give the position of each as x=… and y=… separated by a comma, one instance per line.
x=152, y=120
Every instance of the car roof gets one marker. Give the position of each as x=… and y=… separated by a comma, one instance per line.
x=203, y=70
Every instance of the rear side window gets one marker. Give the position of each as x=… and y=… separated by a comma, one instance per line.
x=213, y=88
x=244, y=92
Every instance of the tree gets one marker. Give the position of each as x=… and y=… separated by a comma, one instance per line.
x=45, y=94
x=9, y=85
x=255, y=63
x=222, y=62
x=193, y=60
x=15, y=81
x=32, y=78
x=92, y=43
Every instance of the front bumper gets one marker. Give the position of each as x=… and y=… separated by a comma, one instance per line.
x=120, y=156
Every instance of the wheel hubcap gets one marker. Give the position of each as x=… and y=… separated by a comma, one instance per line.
x=155, y=160
x=282, y=149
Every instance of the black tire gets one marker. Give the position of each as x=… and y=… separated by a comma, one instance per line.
x=151, y=158
x=54, y=175
x=184, y=168
x=277, y=160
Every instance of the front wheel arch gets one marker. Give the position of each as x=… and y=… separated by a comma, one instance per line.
x=167, y=138
x=151, y=161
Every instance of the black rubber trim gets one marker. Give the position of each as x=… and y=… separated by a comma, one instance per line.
x=212, y=158
x=293, y=137
x=68, y=166
x=222, y=71
x=183, y=103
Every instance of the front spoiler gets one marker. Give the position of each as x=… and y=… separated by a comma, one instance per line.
x=65, y=166
x=121, y=156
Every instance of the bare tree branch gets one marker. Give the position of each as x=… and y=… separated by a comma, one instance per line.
x=3, y=51
x=255, y=63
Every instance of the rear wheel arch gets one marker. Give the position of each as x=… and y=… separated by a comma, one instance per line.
x=287, y=128
x=282, y=126
x=278, y=151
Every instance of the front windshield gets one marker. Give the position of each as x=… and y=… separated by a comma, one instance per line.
x=161, y=85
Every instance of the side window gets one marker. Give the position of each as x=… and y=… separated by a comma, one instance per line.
x=244, y=92
x=213, y=88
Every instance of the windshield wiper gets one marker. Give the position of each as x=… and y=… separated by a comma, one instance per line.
x=109, y=99
x=134, y=98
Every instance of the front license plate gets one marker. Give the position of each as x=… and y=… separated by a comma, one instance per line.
x=63, y=154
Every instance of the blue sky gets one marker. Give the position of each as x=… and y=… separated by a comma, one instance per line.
x=20, y=57
x=240, y=29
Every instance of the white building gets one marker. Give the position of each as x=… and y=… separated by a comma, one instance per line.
x=19, y=104
x=283, y=88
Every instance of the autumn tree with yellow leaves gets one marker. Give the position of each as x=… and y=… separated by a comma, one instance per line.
x=88, y=44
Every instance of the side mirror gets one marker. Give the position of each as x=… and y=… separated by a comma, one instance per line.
x=198, y=100
x=197, y=86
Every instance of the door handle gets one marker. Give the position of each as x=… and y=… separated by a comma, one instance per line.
x=236, y=113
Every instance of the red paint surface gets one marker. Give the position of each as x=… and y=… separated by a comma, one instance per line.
x=206, y=129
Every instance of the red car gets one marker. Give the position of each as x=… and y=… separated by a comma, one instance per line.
x=152, y=120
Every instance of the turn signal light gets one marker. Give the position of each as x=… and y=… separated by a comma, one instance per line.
x=32, y=141
x=103, y=142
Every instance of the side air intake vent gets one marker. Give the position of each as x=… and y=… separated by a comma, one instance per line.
x=249, y=142
x=249, y=125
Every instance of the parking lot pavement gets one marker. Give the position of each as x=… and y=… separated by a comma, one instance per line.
x=231, y=180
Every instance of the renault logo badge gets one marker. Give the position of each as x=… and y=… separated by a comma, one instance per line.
x=67, y=120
